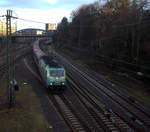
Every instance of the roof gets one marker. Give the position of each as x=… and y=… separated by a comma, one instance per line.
x=36, y=49
x=50, y=62
x=30, y=29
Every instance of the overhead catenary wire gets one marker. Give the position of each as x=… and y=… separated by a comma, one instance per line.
x=29, y=20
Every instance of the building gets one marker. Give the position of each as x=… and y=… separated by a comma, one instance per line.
x=50, y=28
x=30, y=32
x=3, y=28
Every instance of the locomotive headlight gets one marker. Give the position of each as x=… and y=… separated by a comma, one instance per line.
x=51, y=84
x=63, y=83
x=56, y=78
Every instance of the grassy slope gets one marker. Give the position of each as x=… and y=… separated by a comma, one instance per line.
x=26, y=116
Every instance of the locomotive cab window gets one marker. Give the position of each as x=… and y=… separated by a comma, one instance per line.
x=56, y=73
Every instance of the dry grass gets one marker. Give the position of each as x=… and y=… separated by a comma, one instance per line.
x=26, y=116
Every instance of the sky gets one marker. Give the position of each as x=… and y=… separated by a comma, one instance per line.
x=47, y=11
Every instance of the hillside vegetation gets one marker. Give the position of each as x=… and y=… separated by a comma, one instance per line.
x=118, y=29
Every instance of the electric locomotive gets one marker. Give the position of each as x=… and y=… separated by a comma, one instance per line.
x=52, y=73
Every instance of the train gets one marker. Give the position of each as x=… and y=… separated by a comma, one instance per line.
x=52, y=73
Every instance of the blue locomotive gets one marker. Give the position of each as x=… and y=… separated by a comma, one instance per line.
x=52, y=73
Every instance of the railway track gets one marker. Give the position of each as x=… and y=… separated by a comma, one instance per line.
x=106, y=119
x=3, y=57
x=18, y=55
x=133, y=116
x=12, y=48
x=109, y=82
x=99, y=120
x=71, y=113
x=123, y=94
x=73, y=117
x=133, y=112
x=81, y=110
x=66, y=111
x=63, y=107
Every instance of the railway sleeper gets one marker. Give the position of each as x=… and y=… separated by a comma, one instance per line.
x=107, y=125
x=120, y=123
x=114, y=120
x=117, y=122
x=95, y=126
x=126, y=105
x=69, y=115
x=99, y=117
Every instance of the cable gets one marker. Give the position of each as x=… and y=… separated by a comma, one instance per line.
x=22, y=19
x=30, y=20
x=27, y=19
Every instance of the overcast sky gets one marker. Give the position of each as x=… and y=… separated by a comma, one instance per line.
x=48, y=11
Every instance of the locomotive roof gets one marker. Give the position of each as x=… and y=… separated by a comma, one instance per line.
x=37, y=51
x=50, y=61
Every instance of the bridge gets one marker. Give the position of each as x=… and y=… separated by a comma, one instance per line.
x=31, y=34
